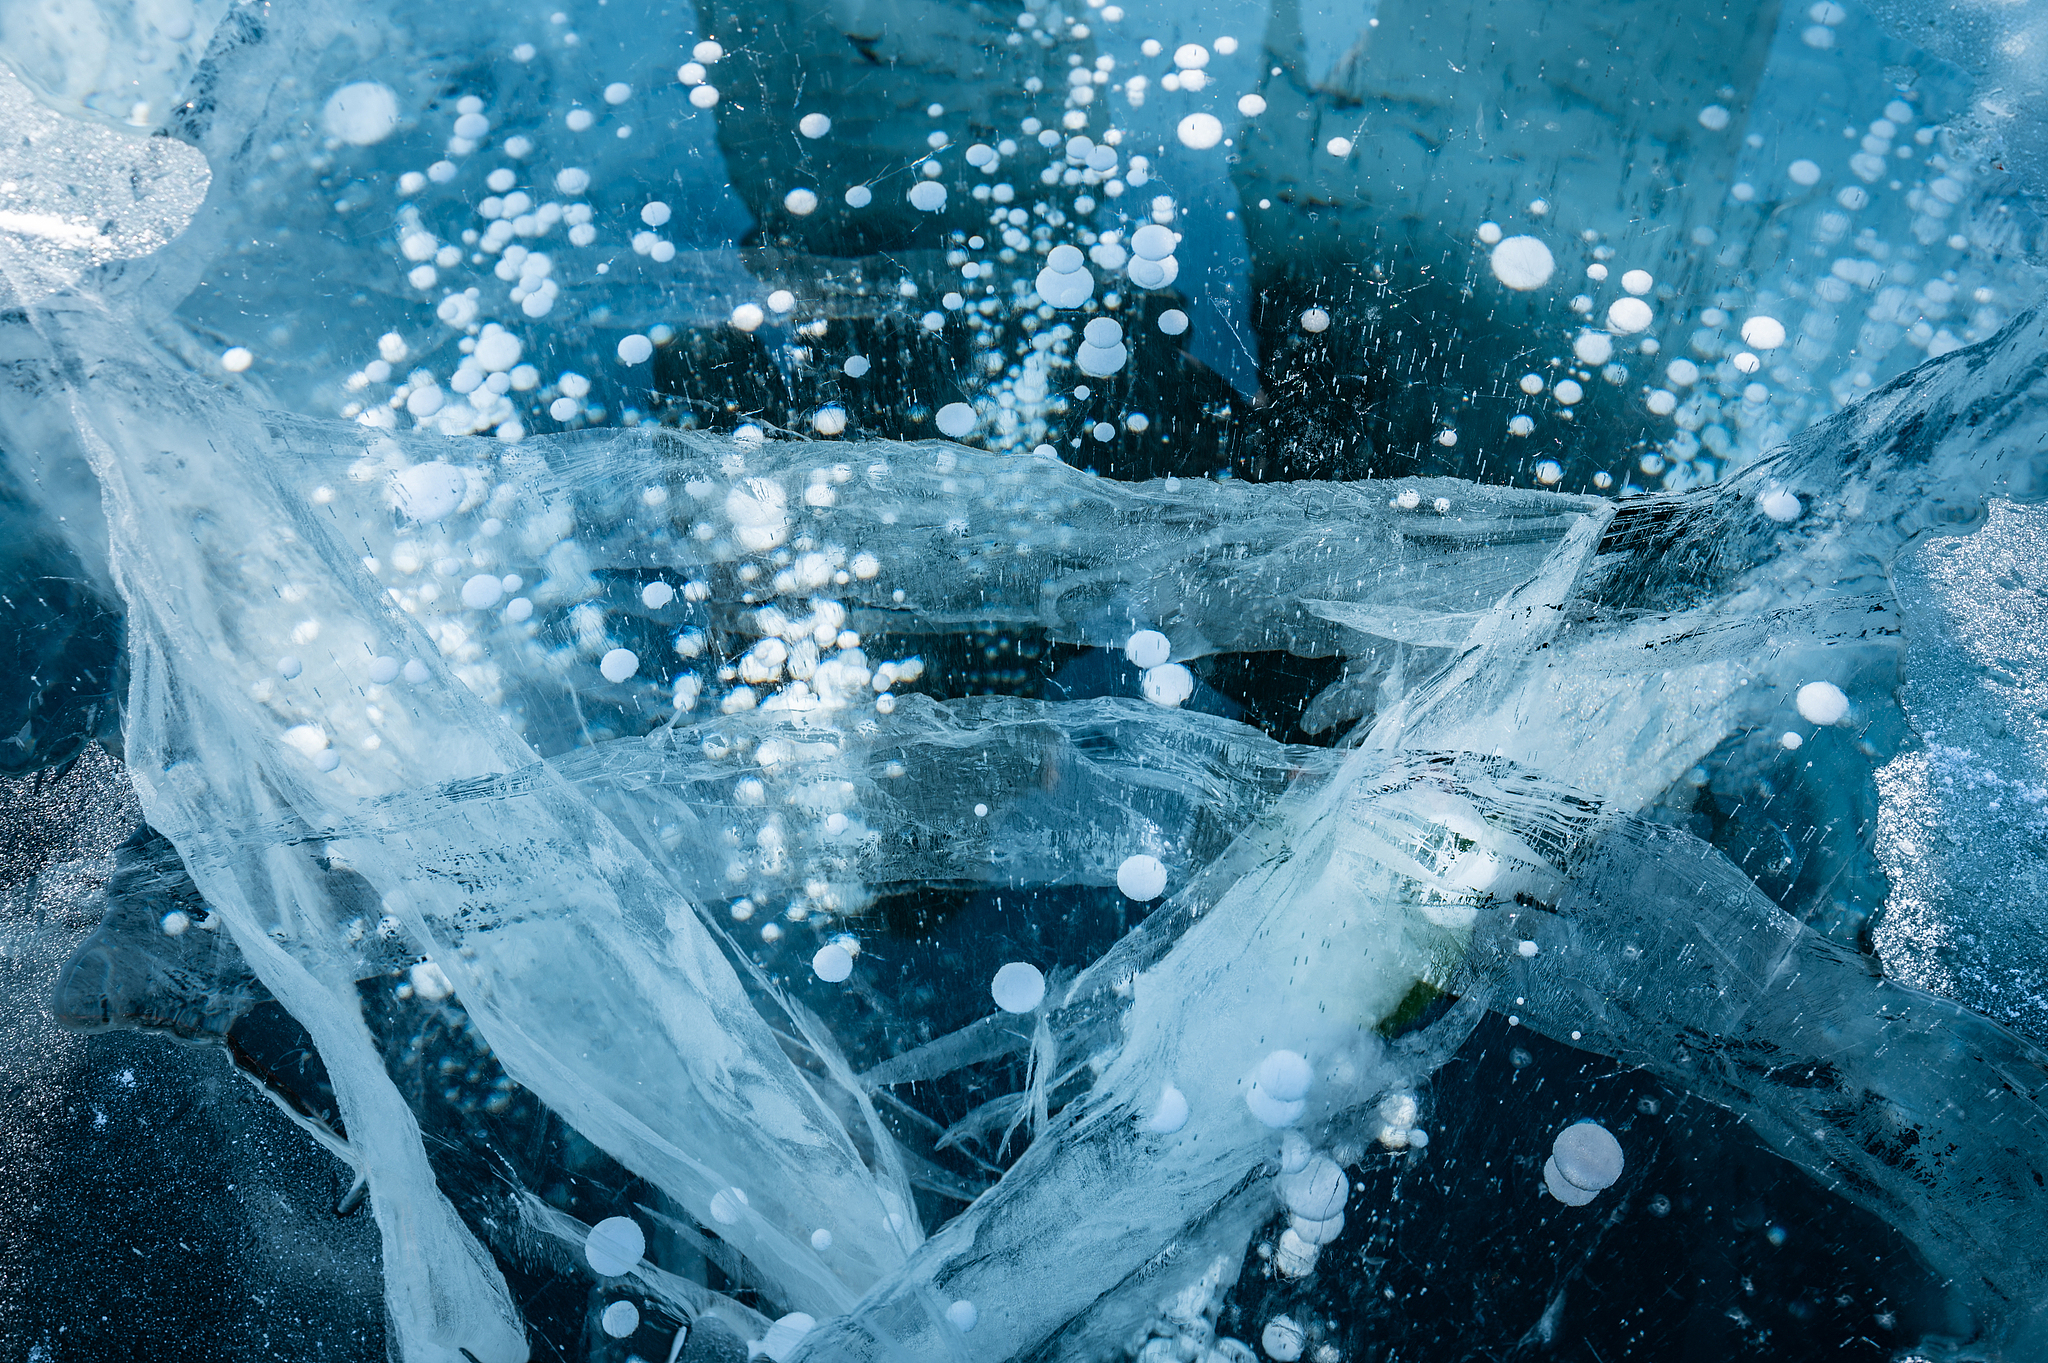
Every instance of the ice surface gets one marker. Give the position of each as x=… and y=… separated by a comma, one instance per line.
x=649, y=756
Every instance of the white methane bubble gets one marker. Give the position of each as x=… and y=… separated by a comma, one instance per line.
x=956, y=420
x=814, y=125
x=1173, y=322
x=1763, y=333
x=1822, y=703
x=619, y=664
x=1018, y=987
x=614, y=1246
x=430, y=491
x=1169, y=684
x=1522, y=263
x=361, y=114
x=620, y=1319
x=1148, y=648
x=1169, y=1113
x=1142, y=877
x=1200, y=131
x=1629, y=315
x=832, y=963
x=1585, y=1160
x=928, y=196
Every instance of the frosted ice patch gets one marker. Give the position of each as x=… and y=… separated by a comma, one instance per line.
x=1822, y=703
x=361, y=113
x=614, y=1245
x=1522, y=263
x=429, y=492
x=1018, y=987
x=1142, y=877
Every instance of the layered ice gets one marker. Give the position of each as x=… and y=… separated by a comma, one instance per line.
x=619, y=730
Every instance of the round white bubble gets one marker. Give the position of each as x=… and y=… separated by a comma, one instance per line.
x=1637, y=281
x=619, y=664
x=1522, y=263
x=1563, y=1189
x=1169, y=684
x=1285, y=1075
x=1282, y=1340
x=620, y=1319
x=383, y=670
x=963, y=1316
x=859, y=196
x=1153, y=242
x=635, y=349
x=429, y=492
x=362, y=113
x=655, y=595
x=1148, y=648
x=482, y=592
x=614, y=1245
x=1142, y=877
x=1171, y=1113
x=814, y=125
x=1315, y=319
x=955, y=420
x=1200, y=131
x=1173, y=321
x=1822, y=703
x=1780, y=505
x=1065, y=288
x=1763, y=333
x=928, y=196
x=1316, y=1191
x=1018, y=987
x=832, y=963
x=1629, y=315
x=1593, y=347
x=1587, y=1156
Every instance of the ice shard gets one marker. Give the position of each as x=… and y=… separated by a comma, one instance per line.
x=900, y=682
